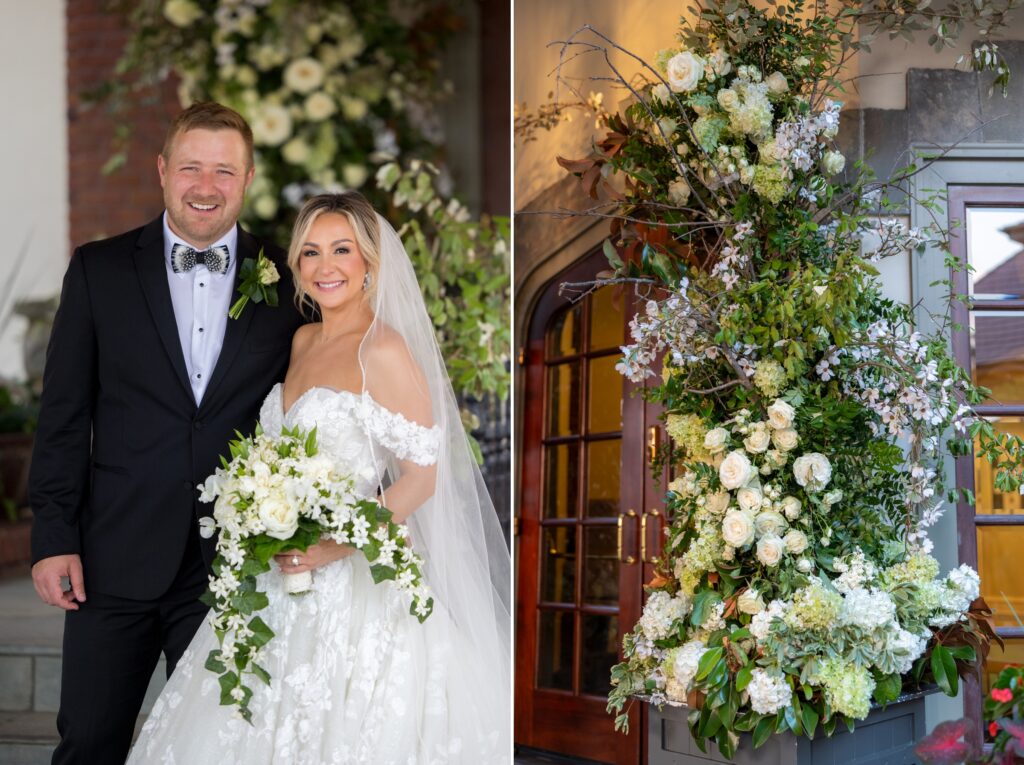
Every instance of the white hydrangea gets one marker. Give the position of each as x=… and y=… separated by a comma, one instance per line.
x=867, y=609
x=661, y=611
x=769, y=692
x=761, y=624
x=687, y=657
x=904, y=647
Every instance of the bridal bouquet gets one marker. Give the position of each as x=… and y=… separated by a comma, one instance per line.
x=279, y=494
x=809, y=417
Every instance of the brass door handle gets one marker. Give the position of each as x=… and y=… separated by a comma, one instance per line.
x=652, y=443
x=643, y=535
x=618, y=545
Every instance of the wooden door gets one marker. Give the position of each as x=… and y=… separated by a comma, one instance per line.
x=584, y=503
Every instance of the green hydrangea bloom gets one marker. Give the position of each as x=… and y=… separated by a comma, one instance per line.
x=708, y=130
x=814, y=607
x=769, y=377
x=848, y=687
x=770, y=182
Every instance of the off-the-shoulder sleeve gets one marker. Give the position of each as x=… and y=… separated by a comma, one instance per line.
x=408, y=440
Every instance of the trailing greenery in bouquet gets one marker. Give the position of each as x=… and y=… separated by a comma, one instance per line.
x=809, y=417
x=276, y=494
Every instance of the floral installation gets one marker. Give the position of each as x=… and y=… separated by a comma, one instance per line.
x=809, y=416
x=341, y=95
x=256, y=280
x=275, y=494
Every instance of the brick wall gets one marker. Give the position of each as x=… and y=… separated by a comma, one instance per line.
x=107, y=205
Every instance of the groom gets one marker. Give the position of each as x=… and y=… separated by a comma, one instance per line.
x=146, y=381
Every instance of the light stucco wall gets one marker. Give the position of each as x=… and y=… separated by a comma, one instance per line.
x=33, y=155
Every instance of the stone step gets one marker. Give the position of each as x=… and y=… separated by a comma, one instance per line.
x=29, y=738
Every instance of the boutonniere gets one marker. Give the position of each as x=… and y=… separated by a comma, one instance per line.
x=258, y=279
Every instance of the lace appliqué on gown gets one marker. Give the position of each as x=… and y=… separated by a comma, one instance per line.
x=355, y=678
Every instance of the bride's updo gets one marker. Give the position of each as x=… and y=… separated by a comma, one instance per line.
x=363, y=219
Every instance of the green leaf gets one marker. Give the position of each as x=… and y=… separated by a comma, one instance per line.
x=810, y=718
x=744, y=676
x=944, y=670
x=707, y=663
x=214, y=662
x=261, y=633
x=610, y=253
x=887, y=688
x=380, y=572
x=763, y=730
x=261, y=673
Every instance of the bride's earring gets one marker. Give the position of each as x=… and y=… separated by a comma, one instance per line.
x=367, y=281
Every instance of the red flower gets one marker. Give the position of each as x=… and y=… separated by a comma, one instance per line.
x=1002, y=694
x=993, y=729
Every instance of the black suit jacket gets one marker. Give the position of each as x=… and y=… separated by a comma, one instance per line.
x=121, y=444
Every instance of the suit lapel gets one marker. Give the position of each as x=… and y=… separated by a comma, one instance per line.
x=237, y=328
x=149, y=265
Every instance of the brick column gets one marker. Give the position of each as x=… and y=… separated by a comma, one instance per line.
x=101, y=205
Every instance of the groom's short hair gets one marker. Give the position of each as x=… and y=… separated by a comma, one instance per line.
x=211, y=116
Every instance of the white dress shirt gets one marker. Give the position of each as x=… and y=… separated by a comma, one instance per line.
x=201, y=302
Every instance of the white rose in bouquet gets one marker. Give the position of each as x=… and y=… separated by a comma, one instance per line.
x=812, y=471
x=684, y=71
x=781, y=414
x=758, y=439
x=833, y=162
x=776, y=82
x=280, y=516
x=304, y=75
x=717, y=503
x=716, y=439
x=791, y=507
x=729, y=99
x=719, y=62
x=738, y=528
x=749, y=498
x=750, y=602
x=660, y=92
x=735, y=470
x=769, y=524
x=786, y=439
x=770, y=550
x=833, y=497
x=796, y=541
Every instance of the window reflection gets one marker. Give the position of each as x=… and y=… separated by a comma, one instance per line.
x=995, y=241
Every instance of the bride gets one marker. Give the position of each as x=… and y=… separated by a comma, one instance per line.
x=355, y=677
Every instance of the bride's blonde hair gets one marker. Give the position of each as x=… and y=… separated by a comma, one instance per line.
x=363, y=219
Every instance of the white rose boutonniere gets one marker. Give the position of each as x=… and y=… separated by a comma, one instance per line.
x=684, y=71
x=258, y=278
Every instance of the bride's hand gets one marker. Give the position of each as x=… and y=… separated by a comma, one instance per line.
x=316, y=556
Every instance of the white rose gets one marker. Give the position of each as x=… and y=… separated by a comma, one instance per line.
x=769, y=524
x=717, y=503
x=728, y=99
x=684, y=71
x=280, y=517
x=719, y=62
x=319, y=106
x=182, y=13
x=224, y=511
x=296, y=151
x=758, y=440
x=805, y=566
x=738, y=528
x=833, y=497
x=833, y=162
x=661, y=93
x=304, y=75
x=750, y=602
x=796, y=541
x=735, y=470
x=786, y=439
x=812, y=471
x=781, y=414
x=776, y=82
x=715, y=440
x=679, y=192
x=749, y=498
x=272, y=125
x=770, y=550
x=791, y=507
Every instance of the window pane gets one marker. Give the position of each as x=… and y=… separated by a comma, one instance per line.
x=999, y=551
x=994, y=237
x=563, y=335
x=600, y=566
x=564, y=399
x=600, y=651
x=606, y=321
x=605, y=396
x=989, y=501
x=561, y=480
x=558, y=564
x=554, y=650
x=997, y=353
x=602, y=479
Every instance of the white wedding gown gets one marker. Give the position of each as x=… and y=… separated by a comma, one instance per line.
x=354, y=677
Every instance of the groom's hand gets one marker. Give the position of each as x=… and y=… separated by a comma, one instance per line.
x=46, y=576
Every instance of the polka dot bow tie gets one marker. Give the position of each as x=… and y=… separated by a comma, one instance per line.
x=184, y=259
